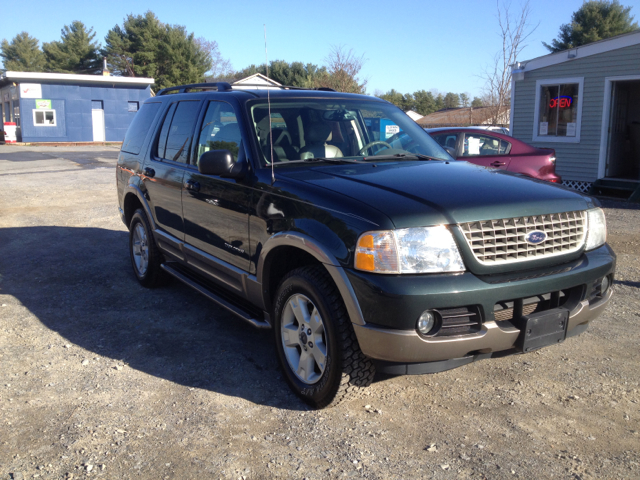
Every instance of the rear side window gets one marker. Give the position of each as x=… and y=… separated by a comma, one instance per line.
x=175, y=136
x=139, y=128
x=483, y=145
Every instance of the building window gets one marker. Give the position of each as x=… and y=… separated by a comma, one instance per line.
x=558, y=110
x=133, y=107
x=44, y=118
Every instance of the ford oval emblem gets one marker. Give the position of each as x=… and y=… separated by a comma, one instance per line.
x=535, y=237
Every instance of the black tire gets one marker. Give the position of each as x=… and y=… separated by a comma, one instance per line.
x=152, y=275
x=346, y=371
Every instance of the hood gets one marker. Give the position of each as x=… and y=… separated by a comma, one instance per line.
x=432, y=193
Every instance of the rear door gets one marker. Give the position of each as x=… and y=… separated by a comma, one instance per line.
x=163, y=174
x=486, y=150
x=215, y=209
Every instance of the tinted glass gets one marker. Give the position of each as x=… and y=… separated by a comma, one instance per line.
x=139, y=128
x=179, y=138
x=219, y=130
x=164, y=131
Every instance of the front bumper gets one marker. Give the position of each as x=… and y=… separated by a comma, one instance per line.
x=392, y=305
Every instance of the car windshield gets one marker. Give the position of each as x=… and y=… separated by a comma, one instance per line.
x=300, y=130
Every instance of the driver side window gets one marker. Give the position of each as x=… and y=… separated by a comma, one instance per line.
x=220, y=130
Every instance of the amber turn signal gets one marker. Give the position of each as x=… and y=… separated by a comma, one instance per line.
x=364, y=254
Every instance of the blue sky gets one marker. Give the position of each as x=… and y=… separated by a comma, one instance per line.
x=409, y=45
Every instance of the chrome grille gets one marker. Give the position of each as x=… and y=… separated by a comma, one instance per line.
x=495, y=242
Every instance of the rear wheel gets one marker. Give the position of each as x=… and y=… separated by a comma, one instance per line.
x=145, y=257
x=316, y=344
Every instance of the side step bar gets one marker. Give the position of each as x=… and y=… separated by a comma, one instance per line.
x=236, y=310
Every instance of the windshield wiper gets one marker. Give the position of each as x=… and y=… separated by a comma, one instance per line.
x=337, y=160
x=331, y=160
x=407, y=156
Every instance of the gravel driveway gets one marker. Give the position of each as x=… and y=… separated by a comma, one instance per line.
x=102, y=378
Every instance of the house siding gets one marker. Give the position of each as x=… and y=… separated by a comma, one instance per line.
x=73, y=104
x=575, y=161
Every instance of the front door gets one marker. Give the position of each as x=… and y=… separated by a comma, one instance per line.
x=215, y=209
x=97, y=120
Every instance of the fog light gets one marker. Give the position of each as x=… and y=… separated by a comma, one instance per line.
x=426, y=322
x=604, y=286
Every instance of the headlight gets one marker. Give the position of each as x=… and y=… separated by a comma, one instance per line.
x=409, y=250
x=597, y=229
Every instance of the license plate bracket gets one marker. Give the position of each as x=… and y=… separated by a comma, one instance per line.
x=542, y=329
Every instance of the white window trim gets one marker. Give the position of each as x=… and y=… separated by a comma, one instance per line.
x=536, y=112
x=606, y=119
x=55, y=118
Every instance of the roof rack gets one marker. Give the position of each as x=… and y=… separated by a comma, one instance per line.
x=284, y=87
x=225, y=87
x=219, y=86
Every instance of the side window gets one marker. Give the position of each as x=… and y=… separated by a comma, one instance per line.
x=446, y=139
x=219, y=131
x=175, y=136
x=483, y=145
x=139, y=128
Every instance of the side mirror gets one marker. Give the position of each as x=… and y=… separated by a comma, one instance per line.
x=450, y=151
x=220, y=163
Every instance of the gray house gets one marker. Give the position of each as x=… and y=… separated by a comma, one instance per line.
x=585, y=104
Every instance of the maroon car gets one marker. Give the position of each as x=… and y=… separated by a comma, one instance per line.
x=493, y=149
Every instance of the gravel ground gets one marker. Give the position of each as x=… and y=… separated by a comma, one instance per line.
x=102, y=378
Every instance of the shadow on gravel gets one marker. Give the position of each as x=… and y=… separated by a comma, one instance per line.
x=627, y=283
x=79, y=283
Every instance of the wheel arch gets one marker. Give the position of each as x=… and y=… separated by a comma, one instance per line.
x=134, y=199
x=286, y=251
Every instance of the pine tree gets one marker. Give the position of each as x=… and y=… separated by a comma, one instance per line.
x=594, y=20
x=23, y=54
x=145, y=47
x=76, y=52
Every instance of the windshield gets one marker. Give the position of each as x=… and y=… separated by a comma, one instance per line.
x=360, y=130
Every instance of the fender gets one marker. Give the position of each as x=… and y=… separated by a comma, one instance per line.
x=320, y=253
x=135, y=190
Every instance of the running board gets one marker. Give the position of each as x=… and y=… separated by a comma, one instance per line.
x=236, y=310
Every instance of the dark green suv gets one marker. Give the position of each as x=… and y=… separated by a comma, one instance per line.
x=296, y=211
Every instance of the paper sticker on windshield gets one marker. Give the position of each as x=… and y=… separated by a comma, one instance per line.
x=391, y=130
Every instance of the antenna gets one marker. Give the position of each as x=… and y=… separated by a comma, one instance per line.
x=266, y=64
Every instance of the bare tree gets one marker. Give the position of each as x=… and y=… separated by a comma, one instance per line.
x=514, y=31
x=220, y=67
x=343, y=67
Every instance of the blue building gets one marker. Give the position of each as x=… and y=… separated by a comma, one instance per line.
x=57, y=107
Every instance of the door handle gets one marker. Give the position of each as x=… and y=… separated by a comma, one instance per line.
x=192, y=186
x=149, y=172
x=498, y=164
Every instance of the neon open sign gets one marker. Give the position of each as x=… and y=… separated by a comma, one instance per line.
x=563, y=101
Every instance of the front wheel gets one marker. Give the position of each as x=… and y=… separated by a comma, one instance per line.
x=316, y=344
